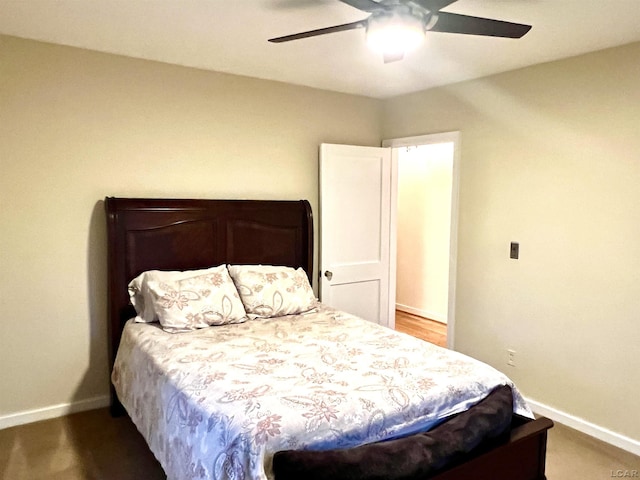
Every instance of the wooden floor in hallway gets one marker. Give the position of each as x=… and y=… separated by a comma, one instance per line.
x=424, y=328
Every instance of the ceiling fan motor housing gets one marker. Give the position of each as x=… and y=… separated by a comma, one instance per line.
x=396, y=30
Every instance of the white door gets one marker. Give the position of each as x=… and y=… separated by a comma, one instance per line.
x=355, y=186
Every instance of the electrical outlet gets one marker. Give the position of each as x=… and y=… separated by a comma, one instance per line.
x=511, y=357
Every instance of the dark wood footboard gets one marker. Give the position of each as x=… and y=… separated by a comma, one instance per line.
x=522, y=457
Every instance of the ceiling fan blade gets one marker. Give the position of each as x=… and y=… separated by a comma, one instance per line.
x=365, y=5
x=456, y=23
x=320, y=31
x=434, y=5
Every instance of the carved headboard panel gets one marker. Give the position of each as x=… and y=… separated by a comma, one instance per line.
x=179, y=234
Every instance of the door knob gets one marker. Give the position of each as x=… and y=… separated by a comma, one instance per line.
x=328, y=274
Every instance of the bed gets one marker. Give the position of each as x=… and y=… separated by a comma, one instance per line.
x=180, y=234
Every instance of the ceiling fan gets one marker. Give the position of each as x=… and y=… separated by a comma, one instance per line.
x=394, y=27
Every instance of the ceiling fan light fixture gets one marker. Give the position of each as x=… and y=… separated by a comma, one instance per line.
x=395, y=33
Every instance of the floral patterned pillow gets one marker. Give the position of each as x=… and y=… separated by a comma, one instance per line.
x=141, y=297
x=271, y=291
x=182, y=303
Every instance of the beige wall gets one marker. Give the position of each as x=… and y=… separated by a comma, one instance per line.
x=550, y=158
x=76, y=126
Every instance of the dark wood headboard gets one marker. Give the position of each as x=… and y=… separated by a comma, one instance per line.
x=180, y=234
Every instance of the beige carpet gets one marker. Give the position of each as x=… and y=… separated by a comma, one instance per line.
x=94, y=446
x=574, y=455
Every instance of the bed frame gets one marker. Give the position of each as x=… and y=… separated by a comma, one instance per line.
x=181, y=234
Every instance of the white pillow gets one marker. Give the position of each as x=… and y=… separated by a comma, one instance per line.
x=272, y=291
x=197, y=302
x=142, y=299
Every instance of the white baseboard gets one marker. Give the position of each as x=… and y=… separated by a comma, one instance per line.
x=54, y=411
x=581, y=425
x=438, y=317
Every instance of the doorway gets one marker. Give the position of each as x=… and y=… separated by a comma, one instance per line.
x=424, y=233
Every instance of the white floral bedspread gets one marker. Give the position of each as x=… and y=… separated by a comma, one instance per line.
x=217, y=403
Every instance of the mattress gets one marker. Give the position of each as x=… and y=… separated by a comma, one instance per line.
x=217, y=403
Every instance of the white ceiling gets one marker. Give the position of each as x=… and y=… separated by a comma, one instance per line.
x=231, y=36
